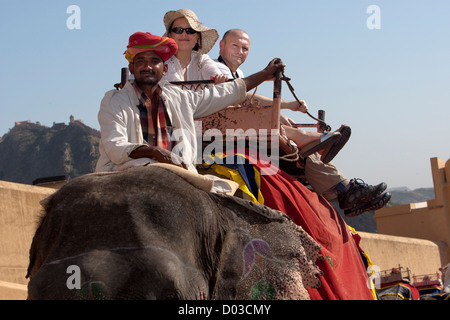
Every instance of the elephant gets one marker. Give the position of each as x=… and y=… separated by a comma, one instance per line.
x=148, y=234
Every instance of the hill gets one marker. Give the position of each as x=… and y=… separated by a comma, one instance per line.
x=30, y=151
x=411, y=196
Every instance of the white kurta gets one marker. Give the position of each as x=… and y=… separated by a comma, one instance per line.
x=120, y=125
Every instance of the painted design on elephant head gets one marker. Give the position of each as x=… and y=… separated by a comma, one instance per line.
x=256, y=253
x=264, y=290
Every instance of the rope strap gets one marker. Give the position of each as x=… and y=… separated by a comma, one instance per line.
x=326, y=127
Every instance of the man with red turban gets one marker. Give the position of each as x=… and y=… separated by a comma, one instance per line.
x=145, y=41
x=153, y=121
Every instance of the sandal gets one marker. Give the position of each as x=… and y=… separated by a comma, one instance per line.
x=329, y=153
x=326, y=139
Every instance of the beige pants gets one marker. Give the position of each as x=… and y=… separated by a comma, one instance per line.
x=323, y=177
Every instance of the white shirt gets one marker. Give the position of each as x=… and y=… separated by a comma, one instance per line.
x=120, y=126
x=201, y=67
x=226, y=71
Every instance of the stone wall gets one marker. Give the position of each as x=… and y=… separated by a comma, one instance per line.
x=419, y=255
x=19, y=214
x=429, y=220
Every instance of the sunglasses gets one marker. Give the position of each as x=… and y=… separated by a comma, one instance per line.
x=179, y=30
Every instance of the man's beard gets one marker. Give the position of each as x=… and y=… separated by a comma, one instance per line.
x=151, y=82
x=146, y=81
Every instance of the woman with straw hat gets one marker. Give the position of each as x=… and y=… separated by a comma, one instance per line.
x=194, y=40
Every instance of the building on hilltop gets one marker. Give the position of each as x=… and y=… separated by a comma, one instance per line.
x=19, y=123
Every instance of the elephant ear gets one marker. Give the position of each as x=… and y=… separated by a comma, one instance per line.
x=231, y=265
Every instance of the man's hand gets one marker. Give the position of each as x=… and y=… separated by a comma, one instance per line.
x=268, y=74
x=272, y=68
x=158, y=154
x=219, y=78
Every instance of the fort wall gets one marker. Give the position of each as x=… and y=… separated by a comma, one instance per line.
x=19, y=214
x=428, y=220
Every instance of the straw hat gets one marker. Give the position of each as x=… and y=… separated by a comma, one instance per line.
x=208, y=36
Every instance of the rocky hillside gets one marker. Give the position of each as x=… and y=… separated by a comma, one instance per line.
x=406, y=196
x=30, y=151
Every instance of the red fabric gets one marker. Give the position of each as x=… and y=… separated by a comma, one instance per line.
x=415, y=292
x=344, y=275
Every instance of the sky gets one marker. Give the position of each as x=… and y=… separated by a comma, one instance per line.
x=381, y=67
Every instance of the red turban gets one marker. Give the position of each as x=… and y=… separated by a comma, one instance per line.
x=145, y=41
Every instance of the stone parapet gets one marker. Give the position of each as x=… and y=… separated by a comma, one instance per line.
x=19, y=213
x=418, y=255
x=428, y=220
x=12, y=291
